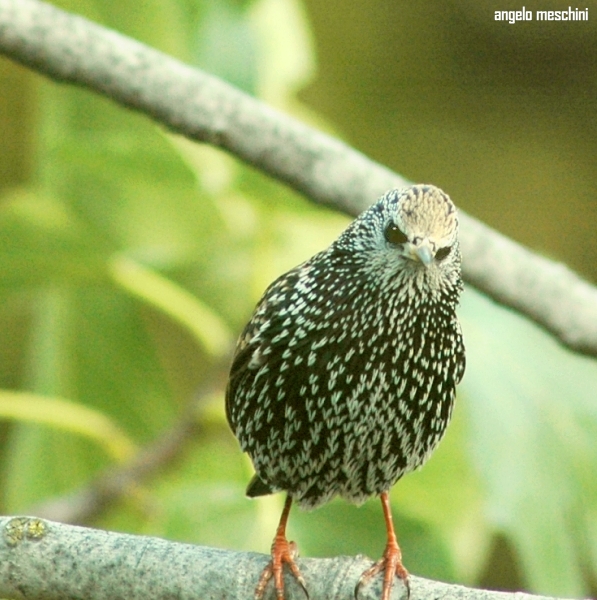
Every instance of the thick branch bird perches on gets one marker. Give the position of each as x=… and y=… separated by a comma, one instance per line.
x=43, y=559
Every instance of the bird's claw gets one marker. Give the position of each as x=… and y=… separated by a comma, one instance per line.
x=283, y=551
x=390, y=564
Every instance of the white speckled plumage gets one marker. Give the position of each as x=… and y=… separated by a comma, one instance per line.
x=344, y=378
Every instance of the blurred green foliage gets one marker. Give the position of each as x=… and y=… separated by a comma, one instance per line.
x=130, y=259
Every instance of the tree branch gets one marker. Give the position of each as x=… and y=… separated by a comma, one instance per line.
x=47, y=560
x=69, y=48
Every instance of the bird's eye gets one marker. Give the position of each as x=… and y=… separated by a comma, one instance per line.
x=394, y=235
x=443, y=253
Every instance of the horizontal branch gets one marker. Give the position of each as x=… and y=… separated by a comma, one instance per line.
x=46, y=560
x=69, y=48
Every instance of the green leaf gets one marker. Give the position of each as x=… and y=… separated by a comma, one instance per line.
x=41, y=242
x=532, y=438
x=65, y=415
x=204, y=324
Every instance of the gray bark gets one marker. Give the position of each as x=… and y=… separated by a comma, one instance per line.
x=46, y=560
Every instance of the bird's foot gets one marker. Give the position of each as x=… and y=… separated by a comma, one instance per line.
x=390, y=564
x=283, y=551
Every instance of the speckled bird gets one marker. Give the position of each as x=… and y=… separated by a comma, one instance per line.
x=344, y=378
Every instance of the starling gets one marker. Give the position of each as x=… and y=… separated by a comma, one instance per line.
x=344, y=378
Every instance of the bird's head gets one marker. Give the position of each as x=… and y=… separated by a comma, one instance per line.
x=412, y=232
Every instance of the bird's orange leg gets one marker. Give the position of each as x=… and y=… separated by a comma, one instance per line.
x=283, y=551
x=391, y=562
